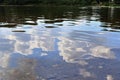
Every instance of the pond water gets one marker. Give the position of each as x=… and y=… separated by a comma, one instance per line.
x=59, y=43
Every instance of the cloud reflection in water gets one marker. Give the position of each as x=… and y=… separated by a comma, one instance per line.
x=71, y=53
x=67, y=52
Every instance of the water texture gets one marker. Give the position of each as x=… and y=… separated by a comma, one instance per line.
x=59, y=43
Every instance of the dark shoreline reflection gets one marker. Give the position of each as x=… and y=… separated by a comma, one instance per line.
x=109, y=17
x=59, y=43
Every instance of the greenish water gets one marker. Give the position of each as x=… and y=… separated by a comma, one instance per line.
x=59, y=43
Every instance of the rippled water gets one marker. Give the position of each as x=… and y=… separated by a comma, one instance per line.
x=59, y=43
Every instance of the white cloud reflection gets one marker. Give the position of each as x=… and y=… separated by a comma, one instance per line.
x=109, y=77
x=4, y=60
x=74, y=47
x=102, y=52
x=6, y=46
x=85, y=73
x=81, y=48
x=23, y=43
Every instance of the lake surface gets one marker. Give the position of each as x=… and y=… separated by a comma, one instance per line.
x=59, y=43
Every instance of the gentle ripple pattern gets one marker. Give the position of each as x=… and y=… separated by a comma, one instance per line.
x=59, y=43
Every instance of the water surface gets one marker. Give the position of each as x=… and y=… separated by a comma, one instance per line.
x=59, y=43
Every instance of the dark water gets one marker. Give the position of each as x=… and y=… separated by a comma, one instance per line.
x=59, y=43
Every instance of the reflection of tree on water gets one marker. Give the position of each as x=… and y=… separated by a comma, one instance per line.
x=24, y=15
x=109, y=17
x=21, y=15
